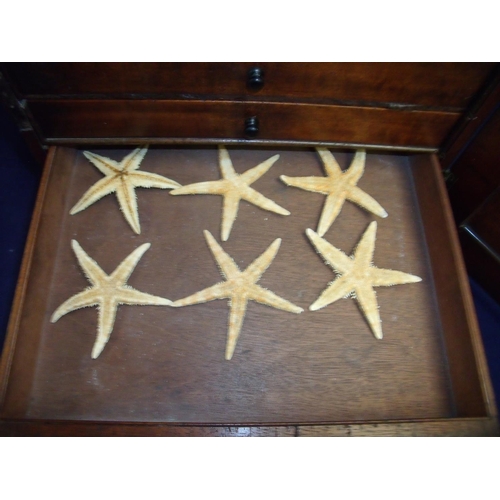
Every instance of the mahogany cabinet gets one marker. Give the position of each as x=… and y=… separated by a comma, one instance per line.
x=314, y=374
x=474, y=190
x=392, y=105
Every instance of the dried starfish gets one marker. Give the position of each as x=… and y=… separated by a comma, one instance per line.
x=122, y=178
x=107, y=292
x=359, y=276
x=338, y=186
x=233, y=188
x=240, y=287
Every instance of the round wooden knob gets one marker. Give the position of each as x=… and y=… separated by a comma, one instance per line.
x=251, y=126
x=255, y=79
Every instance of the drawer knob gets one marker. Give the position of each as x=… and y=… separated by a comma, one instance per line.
x=255, y=80
x=251, y=126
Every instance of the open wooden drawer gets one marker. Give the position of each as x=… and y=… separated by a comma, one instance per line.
x=163, y=370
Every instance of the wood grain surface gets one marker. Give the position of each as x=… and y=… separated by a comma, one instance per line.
x=447, y=427
x=167, y=365
x=476, y=171
x=472, y=388
x=135, y=120
x=21, y=288
x=30, y=283
x=443, y=85
x=456, y=427
x=478, y=113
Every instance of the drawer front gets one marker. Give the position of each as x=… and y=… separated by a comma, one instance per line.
x=443, y=85
x=81, y=120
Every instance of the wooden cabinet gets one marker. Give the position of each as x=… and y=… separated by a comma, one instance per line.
x=474, y=190
x=390, y=105
x=311, y=374
x=448, y=85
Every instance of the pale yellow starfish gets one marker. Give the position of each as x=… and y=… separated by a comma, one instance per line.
x=233, y=188
x=122, y=177
x=107, y=292
x=240, y=287
x=359, y=276
x=338, y=186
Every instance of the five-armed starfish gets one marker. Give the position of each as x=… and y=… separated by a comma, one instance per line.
x=233, y=188
x=359, y=276
x=107, y=292
x=122, y=178
x=240, y=287
x=338, y=186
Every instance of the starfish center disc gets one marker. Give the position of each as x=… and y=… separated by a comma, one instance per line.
x=362, y=273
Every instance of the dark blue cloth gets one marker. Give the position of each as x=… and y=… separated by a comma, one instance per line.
x=488, y=316
x=19, y=179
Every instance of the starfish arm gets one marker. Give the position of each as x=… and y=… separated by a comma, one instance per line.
x=131, y=296
x=122, y=273
x=229, y=212
x=106, y=166
x=128, y=204
x=388, y=277
x=338, y=289
x=255, y=270
x=208, y=187
x=250, y=176
x=133, y=160
x=263, y=296
x=237, y=314
x=313, y=184
x=100, y=189
x=331, y=208
x=87, y=298
x=355, y=171
x=218, y=291
x=89, y=266
x=225, y=164
x=367, y=301
x=363, y=255
x=261, y=201
x=150, y=180
x=226, y=264
x=106, y=321
x=332, y=168
x=333, y=256
x=365, y=201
